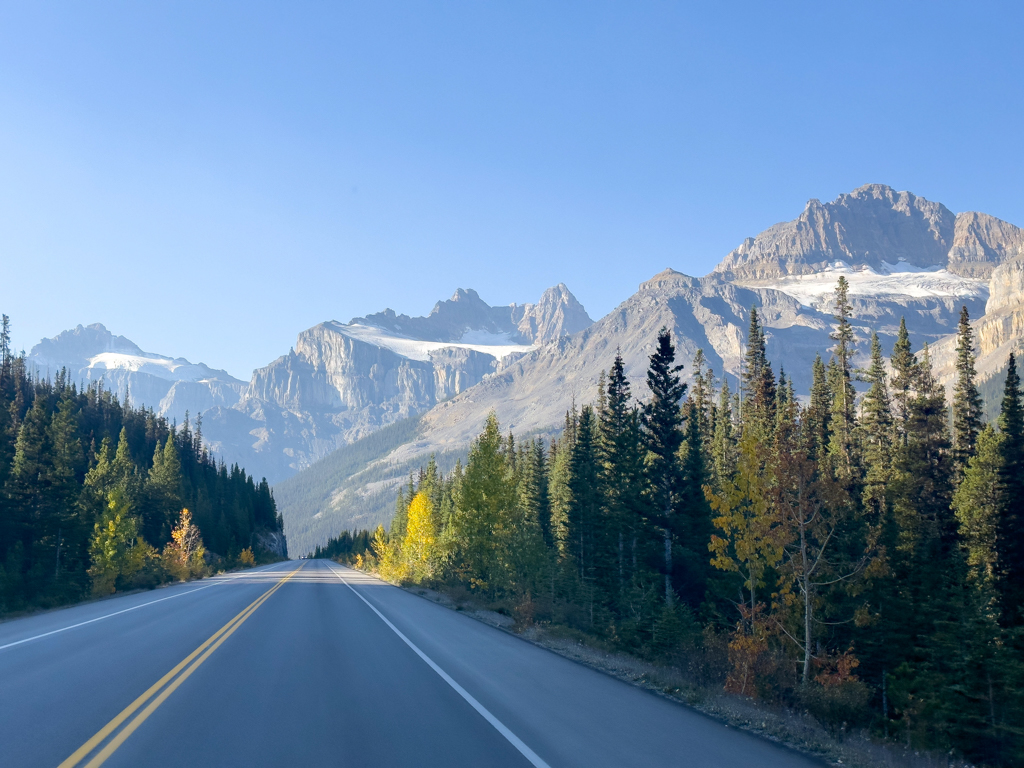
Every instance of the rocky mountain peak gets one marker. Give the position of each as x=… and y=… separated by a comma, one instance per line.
x=557, y=314
x=871, y=226
x=878, y=227
x=666, y=279
x=79, y=345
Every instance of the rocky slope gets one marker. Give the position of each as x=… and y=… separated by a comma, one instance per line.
x=171, y=386
x=998, y=332
x=904, y=257
x=343, y=381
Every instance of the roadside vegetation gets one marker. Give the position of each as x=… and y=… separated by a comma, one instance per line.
x=91, y=487
x=858, y=559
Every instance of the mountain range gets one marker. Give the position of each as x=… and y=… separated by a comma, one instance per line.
x=342, y=418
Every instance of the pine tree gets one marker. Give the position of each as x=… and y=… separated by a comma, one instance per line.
x=1010, y=531
x=724, y=449
x=819, y=412
x=5, y=349
x=758, y=382
x=584, y=513
x=966, y=399
x=843, y=393
x=976, y=503
x=877, y=435
x=694, y=519
x=663, y=435
x=620, y=468
x=904, y=366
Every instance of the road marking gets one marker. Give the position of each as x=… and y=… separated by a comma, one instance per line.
x=205, y=650
x=118, y=613
x=514, y=740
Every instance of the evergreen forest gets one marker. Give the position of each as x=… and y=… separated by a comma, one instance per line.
x=858, y=554
x=98, y=496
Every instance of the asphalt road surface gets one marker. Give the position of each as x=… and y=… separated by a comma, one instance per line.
x=309, y=663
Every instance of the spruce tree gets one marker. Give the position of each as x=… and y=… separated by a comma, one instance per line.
x=818, y=420
x=620, y=467
x=663, y=435
x=1010, y=533
x=584, y=514
x=976, y=503
x=758, y=382
x=904, y=367
x=843, y=393
x=724, y=448
x=877, y=434
x=966, y=399
x=694, y=526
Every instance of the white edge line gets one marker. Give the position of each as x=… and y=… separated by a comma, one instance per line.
x=514, y=740
x=118, y=613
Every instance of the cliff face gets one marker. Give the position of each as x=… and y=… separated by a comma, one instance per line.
x=343, y=381
x=997, y=333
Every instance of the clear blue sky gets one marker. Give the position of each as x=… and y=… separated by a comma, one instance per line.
x=209, y=179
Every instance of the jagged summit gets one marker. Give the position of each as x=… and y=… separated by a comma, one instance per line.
x=877, y=227
x=558, y=313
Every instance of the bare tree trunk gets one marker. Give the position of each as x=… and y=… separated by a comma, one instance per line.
x=808, y=605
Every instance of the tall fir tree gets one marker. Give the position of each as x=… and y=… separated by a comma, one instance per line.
x=967, y=403
x=843, y=393
x=876, y=429
x=758, y=381
x=724, y=447
x=904, y=367
x=663, y=436
x=1010, y=532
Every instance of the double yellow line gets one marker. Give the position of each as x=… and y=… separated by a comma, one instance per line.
x=203, y=652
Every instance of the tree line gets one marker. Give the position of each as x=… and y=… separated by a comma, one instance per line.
x=858, y=554
x=90, y=487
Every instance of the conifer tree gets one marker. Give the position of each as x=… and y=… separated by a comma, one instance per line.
x=584, y=514
x=843, y=394
x=694, y=525
x=819, y=412
x=1010, y=532
x=724, y=449
x=620, y=466
x=533, y=493
x=663, y=435
x=976, y=503
x=877, y=434
x=904, y=366
x=758, y=382
x=966, y=398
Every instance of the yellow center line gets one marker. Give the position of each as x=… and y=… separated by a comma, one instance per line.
x=209, y=646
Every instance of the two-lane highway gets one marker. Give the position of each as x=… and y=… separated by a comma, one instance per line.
x=312, y=663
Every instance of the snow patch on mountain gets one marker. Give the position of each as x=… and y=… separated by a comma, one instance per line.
x=498, y=345
x=155, y=365
x=892, y=280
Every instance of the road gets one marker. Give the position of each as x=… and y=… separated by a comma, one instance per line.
x=310, y=663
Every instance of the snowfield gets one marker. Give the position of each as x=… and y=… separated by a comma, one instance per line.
x=900, y=279
x=497, y=345
x=155, y=365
